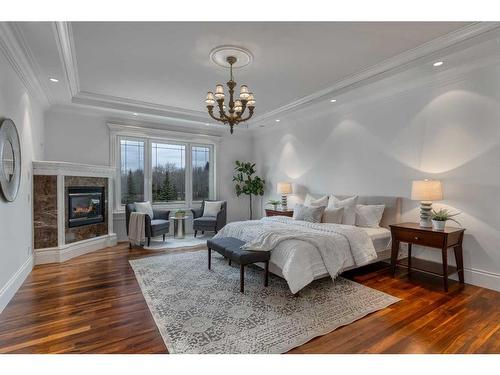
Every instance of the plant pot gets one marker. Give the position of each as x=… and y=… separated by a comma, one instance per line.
x=180, y=214
x=438, y=224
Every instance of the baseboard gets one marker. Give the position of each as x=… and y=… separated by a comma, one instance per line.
x=484, y=279
x=10, y=288
x=69, y=251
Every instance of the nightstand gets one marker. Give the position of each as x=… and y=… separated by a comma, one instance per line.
x=288, y=213
x=412, y=233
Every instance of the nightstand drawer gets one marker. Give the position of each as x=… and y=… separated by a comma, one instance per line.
x=430, y=239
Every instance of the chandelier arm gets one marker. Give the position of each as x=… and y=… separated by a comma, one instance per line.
x=211, y=113
x=250, y=114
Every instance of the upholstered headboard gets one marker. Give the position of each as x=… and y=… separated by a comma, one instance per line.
x=392, y=211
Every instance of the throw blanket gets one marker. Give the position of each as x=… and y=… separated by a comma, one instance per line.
x=333, y=241
x=137, y=228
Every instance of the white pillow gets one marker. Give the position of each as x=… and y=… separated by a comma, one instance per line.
x=312, y=214
x=145, y=208
x=312, y=201
x=369, y=215
x=349, y=204
x=212, y=208
x=333, y=215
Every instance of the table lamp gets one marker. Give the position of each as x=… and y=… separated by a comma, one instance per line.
x=284, y=188
x=426, y=191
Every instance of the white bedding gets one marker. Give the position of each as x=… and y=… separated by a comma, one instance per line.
x=300, y=260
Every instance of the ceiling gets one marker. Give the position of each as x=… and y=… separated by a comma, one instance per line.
x=164, y=69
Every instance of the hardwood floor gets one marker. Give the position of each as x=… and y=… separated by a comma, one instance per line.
x=93, y=304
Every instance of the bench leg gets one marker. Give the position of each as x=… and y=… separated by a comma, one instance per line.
x=209, y=258
x=266, y=274
x=229, y=261
x=242, y=278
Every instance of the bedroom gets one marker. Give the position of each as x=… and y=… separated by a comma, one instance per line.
x=308, y=220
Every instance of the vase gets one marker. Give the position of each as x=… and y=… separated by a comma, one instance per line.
x=438, y=224
x=275, y=207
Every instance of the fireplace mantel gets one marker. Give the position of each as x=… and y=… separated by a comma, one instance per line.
x=50, y=168
x=54, y=241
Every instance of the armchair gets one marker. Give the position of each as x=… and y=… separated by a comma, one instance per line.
x=209, y=223
x=153, y=227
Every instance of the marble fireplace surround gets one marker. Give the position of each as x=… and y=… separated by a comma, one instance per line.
x=53, y=241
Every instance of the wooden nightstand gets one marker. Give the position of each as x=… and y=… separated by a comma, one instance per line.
x=288, y=213
x=412, y=233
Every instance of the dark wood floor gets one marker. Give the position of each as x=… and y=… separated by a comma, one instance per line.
x=93, y=304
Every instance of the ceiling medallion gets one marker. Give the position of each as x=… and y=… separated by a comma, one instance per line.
x=234, y=113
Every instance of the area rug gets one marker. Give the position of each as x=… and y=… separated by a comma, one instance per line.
x=175, y=243
x=202, y=311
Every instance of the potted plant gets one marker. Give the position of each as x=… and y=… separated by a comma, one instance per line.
x=180, y=213
x=440, y=217
x=245, y=181
x=274, y=203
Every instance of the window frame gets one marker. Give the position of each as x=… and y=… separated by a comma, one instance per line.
x=150, y=136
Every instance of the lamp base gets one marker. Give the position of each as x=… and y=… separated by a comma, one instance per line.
x=284, y=203
x=425, y=214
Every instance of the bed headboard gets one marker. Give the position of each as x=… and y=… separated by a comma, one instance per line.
x=393, y=207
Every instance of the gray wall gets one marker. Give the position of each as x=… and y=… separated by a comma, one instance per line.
x=418, y=124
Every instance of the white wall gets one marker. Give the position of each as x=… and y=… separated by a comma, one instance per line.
x=74, y=136
x=16, y=259
x=418, y=124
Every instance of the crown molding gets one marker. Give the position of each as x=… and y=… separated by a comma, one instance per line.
x=455, y=40
x=16, y=51
x=66, y=47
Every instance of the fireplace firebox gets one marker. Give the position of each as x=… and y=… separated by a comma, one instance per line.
x=85, y=205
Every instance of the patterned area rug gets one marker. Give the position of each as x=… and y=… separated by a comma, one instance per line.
x=202, y=311
x=175, y=243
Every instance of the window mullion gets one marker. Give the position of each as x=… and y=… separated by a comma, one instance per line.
x=189, y=176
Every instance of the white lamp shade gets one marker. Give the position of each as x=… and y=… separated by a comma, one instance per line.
x=284, y=188
x=426, y=190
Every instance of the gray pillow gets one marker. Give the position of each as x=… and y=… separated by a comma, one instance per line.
x=312, y=214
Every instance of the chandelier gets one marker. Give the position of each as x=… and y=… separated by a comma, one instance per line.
x=235, y=112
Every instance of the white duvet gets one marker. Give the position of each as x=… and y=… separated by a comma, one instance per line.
x=293, y=242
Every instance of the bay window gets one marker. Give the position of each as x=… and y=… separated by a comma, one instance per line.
x=167, y=172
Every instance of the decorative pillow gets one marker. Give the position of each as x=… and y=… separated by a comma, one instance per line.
x=369, y=215
x=333, y=215
x=311, y=214
x=312, y=201
x=212, y=208
x=349, y=204
x=145, y=208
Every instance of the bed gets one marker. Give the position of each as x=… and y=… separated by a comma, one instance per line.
x=302, y=252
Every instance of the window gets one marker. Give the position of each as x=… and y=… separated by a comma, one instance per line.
x=176, y=173
x=201, y=172
x=132, y=171
x=168, y=172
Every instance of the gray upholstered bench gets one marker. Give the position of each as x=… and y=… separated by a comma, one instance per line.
x=230, y=248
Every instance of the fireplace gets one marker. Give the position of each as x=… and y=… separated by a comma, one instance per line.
x=85, y=205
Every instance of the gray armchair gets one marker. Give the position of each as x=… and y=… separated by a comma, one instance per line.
x=209, y=223
x=153, y=227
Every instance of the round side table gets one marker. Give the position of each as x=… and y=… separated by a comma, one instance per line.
x=179, y=226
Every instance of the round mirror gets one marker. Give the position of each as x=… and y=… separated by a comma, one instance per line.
x=10, y=160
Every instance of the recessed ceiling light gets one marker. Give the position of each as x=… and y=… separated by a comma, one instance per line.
x=438, y=63
x=277, y=120
x=333, y=100
x=53, y=80
x=135, y=113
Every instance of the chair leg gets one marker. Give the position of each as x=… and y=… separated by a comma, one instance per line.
x=242, y=278
x=195, y=232
x=266, y=274
x=229, y=261
x=209, y=258
x=149, y=241
x=130, y=245
x=163, y=237
x=202, y=232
